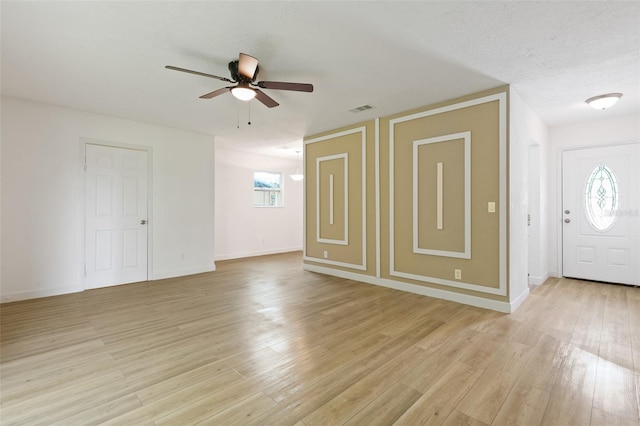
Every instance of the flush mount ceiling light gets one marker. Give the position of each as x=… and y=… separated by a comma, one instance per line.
x=297, y=176
x=604, y=101
x=243, y=92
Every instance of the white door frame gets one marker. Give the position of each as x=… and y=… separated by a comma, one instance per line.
x=558, y=215
x=81, y=207
x=536, y=275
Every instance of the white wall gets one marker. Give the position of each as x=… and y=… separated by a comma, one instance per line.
x=526, y=129
x=603, y=132
x=42, y=184
x=243, y=230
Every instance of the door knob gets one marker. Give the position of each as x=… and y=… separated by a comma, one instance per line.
x=143, y=222
x=567, y=220
x=567, y=211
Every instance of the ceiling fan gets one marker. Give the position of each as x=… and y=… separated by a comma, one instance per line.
x=244, y=72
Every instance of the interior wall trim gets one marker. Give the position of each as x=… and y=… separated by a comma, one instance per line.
x=466, y=254
x=502, y=210
x=377, y=192
x=363, y=141
x=36, y=294
x=345, y=240
x=183, y=272
x=538, y=280
x=480, y=302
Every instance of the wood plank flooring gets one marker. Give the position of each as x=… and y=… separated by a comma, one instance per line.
x=262, y=342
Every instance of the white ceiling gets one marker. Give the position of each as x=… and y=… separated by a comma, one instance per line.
x=109, y=57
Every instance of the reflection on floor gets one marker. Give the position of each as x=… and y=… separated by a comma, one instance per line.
x=262, y=342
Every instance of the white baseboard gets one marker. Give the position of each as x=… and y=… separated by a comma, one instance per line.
x=515, y=304
x=257, y=253
x=465, y=299
x=534, y=280
x=14, y=297
x=36, y=294
x=182, y=272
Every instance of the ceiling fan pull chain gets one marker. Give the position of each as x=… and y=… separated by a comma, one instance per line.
x=249, y=103
x=238, y=114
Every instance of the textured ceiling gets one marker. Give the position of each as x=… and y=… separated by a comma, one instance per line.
x=109, y=58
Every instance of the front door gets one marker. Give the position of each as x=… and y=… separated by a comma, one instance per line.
x=115, y=216
x=601, y=214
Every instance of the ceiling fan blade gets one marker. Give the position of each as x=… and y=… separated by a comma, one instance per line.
x=280, y=85
x=265, y=99
x=215, y=93
x=169, y=67
x=247, y=66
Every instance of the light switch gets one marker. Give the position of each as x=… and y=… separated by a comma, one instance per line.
x=491, y=207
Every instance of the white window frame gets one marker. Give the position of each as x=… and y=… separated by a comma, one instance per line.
x=280, y=190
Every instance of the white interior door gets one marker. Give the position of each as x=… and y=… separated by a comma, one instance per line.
x=115, y=216
x=601, y=214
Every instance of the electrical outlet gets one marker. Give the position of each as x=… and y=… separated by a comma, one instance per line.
x=458, y=274
x=326, y=254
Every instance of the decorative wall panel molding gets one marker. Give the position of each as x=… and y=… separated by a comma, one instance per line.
x=462, y=168
x=335, y=223
x=328, y=204
x=439, y=143
x=437, y=201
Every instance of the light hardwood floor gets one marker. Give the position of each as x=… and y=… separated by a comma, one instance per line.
x=262, y=342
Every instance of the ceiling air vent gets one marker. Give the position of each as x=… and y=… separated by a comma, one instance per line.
x=360, y=108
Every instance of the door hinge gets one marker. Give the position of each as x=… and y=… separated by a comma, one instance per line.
x=85, y=270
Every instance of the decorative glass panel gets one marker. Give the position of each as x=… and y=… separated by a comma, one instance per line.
x=601, y=198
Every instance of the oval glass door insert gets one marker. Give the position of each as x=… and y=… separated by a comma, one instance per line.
x=601, y=198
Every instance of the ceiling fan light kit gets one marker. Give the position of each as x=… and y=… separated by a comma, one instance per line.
x=244, y=93
x=244, y=72
x=603, y=102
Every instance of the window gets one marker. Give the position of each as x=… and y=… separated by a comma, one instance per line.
x=601, y=198
x=267, y=189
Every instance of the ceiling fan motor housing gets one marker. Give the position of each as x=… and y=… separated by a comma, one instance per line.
x=235, y=75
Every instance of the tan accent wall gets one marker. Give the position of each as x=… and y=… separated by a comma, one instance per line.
x=481, y=272
x=464, y=135
x=349, y=242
